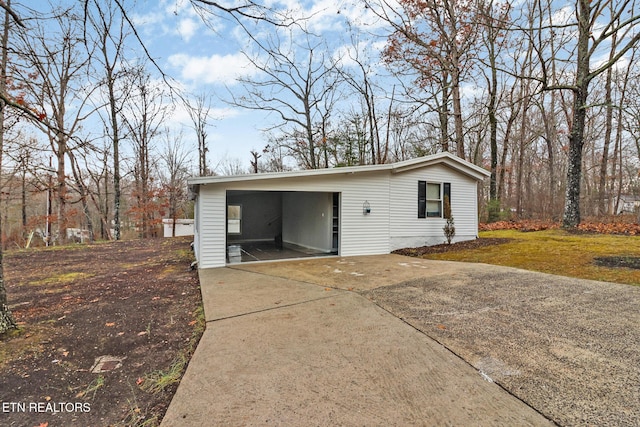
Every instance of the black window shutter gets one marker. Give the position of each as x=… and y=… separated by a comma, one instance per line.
x=446, y=197
x=422, y=199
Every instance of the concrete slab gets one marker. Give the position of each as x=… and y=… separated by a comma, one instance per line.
x=325, y=357
x=357, y=273
x=228, y=292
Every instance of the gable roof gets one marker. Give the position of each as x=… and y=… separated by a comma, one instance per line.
x=447, y=159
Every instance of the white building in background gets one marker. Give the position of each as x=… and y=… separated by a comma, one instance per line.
x=184, y=227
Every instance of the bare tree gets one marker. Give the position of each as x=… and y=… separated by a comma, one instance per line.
x=199, y=112
x=143, y=116
x=437, y=39
x=493, y=19
x=107, y=25
x=244, y=11
x=597, y=25
x=99, y=187
x=255, y=156
x=7, y=321
x=81, y=188
x=359, y=76
x=175, y=159
x=298, y=90
x=60, y=62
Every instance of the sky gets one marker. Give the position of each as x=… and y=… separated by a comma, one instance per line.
x=203, y=62
x=206, y=58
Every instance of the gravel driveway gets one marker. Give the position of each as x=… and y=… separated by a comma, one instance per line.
x=570, y=348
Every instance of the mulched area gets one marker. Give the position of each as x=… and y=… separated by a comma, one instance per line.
x=459, y=246
x=135, y=304
x=618, y=261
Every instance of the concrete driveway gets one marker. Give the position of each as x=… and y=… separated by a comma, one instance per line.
x=392, y=340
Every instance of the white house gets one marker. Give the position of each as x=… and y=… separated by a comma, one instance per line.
x=181, y=227
x=361, y=210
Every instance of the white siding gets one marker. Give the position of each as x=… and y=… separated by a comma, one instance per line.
x=393, y=198
x=365, y=234
x=211, y=249
x=359, y=234
x=407, y=230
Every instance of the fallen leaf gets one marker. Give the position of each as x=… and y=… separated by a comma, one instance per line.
x=65, y=353
x=327, y=289
x=139, y=381
x=110, y=324
x=43, y=425
x=142, y=333
x=120, y=334
x=155, y=298
x=95, y=300
x=193, y=322
x=47, y=398
x=440, y=326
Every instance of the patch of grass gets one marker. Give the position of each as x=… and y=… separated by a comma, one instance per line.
x=17, y=343
x=157, y=381
x=136, y=417
x=555, y=252
x=92, y=388
x=184, y=255
x=62, y=278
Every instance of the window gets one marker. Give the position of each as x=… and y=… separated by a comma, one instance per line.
x=430, y=198
x=234, y=219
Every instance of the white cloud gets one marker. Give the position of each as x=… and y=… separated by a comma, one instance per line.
x=564, y=16
x=215, y=69
x=187, y=28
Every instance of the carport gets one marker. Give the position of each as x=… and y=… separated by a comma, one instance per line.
x=266, y=225
x=356, y=210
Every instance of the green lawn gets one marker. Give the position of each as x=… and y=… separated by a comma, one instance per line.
x=556, y=252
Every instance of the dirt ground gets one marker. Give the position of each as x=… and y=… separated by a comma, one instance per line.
x=102, y=326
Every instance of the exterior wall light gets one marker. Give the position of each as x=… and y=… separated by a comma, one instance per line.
x=366, y=208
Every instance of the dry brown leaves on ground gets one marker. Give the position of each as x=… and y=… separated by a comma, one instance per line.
x=611, y=226
x=105, y=333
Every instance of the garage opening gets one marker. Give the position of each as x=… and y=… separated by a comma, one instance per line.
x=270, y=225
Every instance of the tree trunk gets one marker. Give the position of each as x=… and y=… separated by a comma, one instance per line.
x=61, y=189
x=6, y=318
x=604, y=165
x=116, y=155
x=494, y=201
x=571, y=217
x=443, y=115
x=457, y=114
